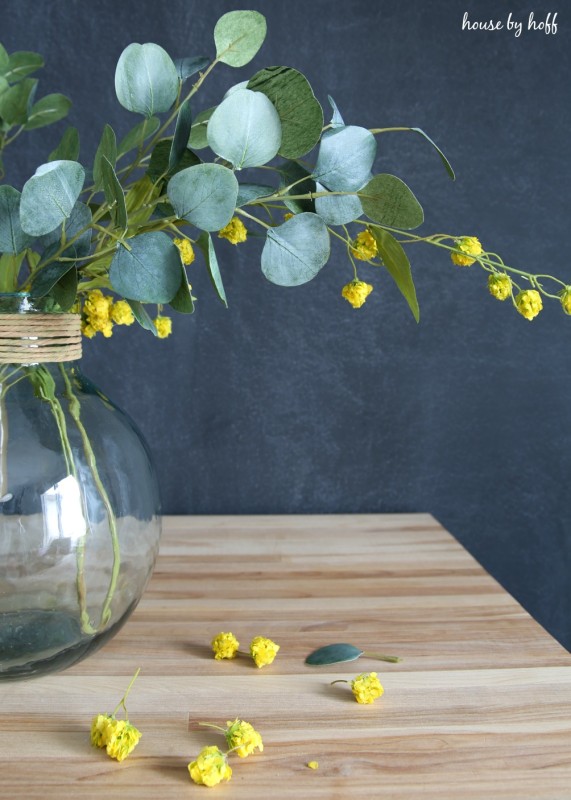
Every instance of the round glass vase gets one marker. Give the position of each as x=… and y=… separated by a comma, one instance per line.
x=79, y=502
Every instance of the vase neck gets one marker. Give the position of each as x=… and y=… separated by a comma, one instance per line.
x=29, y=335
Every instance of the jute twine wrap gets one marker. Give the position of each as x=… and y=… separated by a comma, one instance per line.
x=37, y=338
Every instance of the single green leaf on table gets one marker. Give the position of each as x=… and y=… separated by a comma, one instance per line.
x=137, y=135
x=15, y=102
x=252, y=191
x=49, y=196
x=114, y=194
x=238, y=36
x=299, y=111
x=146, y=79
x=68, y=148
x=337, y=209
x=159, y=163
x=12, y=237
x=345, y=159
x=295, y=251
x=79, y=219
x=205, y=243
x=65, y=290
x=340, y=652
x=198, y=138
x=46, y=278
x=142, y=316
x=336, y=119
x=107, y=149
x=187, y=67
x=182, y=301
x=21, y=64
x=181, y=135
x=50, y=108
x=149, y=271
x=388, y=200
x=396, y=261
x=245, y=129
x=291, y=172
x=204, y=195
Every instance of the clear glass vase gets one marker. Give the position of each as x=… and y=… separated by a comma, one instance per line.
x=79, y=516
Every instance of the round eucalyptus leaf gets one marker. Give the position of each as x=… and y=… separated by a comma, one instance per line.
x=198, y=138
x=345, y=159
x=238, y=36
x=12, y=237
x=337, y=209
x=245, y=129
x=46, y=278
x=49, y=196
x=252, y=191
x=149, y=272
x=235, y=88
x=388, y=200
x=79, y=219
x=333, y=654
x=300, y=114
x=205, y=195
x=146, y=79
x=295, y=251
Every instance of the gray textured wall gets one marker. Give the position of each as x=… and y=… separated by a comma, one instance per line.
x=291, y=401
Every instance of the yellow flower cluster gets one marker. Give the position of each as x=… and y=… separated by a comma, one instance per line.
x=566, y=300
x=243, y=738
x=356, y=292
x=185, y=249
x=364, y=246
x=163, y=326
x=500, y=285
x=101, y=312
x=469, y=248
x=529, y=303
x=225, y=645
x=117, y=736
x=235, y=231
x=366, y=687
x=210, y=768
x=263, y=650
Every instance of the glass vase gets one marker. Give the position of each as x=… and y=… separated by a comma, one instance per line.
x=79, y=508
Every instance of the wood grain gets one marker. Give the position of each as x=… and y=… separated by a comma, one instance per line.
x=479, y=708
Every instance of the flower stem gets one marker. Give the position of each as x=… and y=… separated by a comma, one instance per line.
x=381, y=657
x=123, y=700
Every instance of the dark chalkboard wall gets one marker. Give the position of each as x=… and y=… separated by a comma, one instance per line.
x=293, y=402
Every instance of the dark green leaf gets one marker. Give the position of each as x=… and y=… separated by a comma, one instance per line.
x=141, y=315
x=204, y=241
x=182, y=301
x=159, y=163
x=21, y=64
x=204, y=195
x=295, y=251
x=345, y=159
x=333, y=654
x=114, y=194
x=181, y=135
x=300, y=114
x=291, y=172
x=252, y=191
x=15, y=101
x=447, y=164
x=397, y=263
x=149, y=271
x=65, y=290
x=44, y=280
x=12, y=237
x=50, y=108
x=198, y=138
x=49, y=196
x=146, y=79
x=186, y=67
x=137, y=135
x=68, y=148
x=388, y=200
x=238, y=36
x=107, y=148
x=4, y=59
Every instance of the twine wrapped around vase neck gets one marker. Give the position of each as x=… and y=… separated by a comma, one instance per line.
x=34, y=338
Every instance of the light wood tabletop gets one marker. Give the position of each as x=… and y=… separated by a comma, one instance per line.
x=480, y=707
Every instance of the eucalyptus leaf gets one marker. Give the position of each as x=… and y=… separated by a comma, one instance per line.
x=252, y=191
x=291, y=172
x=205, y=243
x=300, y=113
x=47, y=277
x=68, y=148
x=182, y=301
x=235, y=88
x=396, y=261
x=336, y=119
x=245, y=129
x=137, y=135
x=149, y=271
x=159, y=163
x=333, y=654
x=295, y=251
x=12, y=238
x=337, y=209
x=146, y=79
x=198, y=138
x=346, y=156
x=114, y=193
x=21, y=64
x=181, y=135
x=4, y=59
x=388, y=200
x=107, y=148
x=50, y=108
x=238, y=36
x=187, y=67
x=15, y=102
x=65, y=290
x=447, y=164
x=9, y=269
x=49, y=196
x=204, y=195
x=142, y=316
x=79, y=219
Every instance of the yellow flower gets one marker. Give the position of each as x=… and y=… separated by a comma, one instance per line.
x=122, y=313
x=468, y=246
x=366, y=687
x=97, y=314
x=185, y=250
x=500, y=286
x=529, y=303
x=313, y=765
x=163, y=326
x=101, y=726
x=364, y=246
x=210, y=767
x=235, y=231
x=87, y=330
x=122, y=738
x=287, y=216
x=242, y=738
x=225, y=645
x=356, y=292
x=263, y=650
x=566, y=300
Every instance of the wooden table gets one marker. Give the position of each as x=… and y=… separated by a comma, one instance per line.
x=479, y=708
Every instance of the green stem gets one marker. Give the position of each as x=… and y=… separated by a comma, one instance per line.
x=123, y=700
x=254, y=219
x=381, y=657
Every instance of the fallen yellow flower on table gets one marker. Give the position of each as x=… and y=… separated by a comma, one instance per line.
x=313, y=765
x=117, y=736
x=263, y=650
x=210, y=767
x=225, y=645
x=366, y=687
x=242, y=738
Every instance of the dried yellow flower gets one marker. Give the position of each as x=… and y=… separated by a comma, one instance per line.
x=235, y=231
x=566, y=300
x=122, y=738
x=287, y=216
x=101, y=726
x=210, y=767
x=313, y=764
x=356, y=292
x=163, y=326
x=364, y=246
x=366, y=687
x=263, y=650
x=185, y=249
x=225, y=645
x=500, y=285
x=243, y=738
x=468, y=246
x=529, y=303
x=122, y=313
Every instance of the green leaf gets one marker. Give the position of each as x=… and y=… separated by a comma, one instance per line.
x=204, y=195
x=65, y=290
x=388, y=200
x=336, y=119
x=68, y=148
x=4, y=59
x=107, y=148
x=198, y=138
x=245, y=129
x=337, y=209
x=15, y=102
x=345, y=159
x=12, y=237
x=333, y=654
x=447, y=164
x=149, y=271
x=79, y=219
x=182, y=301
x=146, y=79
x=300, y=114
x=47, y=277
x=204, y=241
x=181, y=135
x=50, y=108
x=114, y=193
x=49, y=196
x=21, y=64
x=295, y=251
x=186, y=67
x=238, y=36
x=397, y=263
x=137, y=135
x=291, y=172
x=252, y=191
x=9, y=269
x=141, y=315
x=159, y=163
